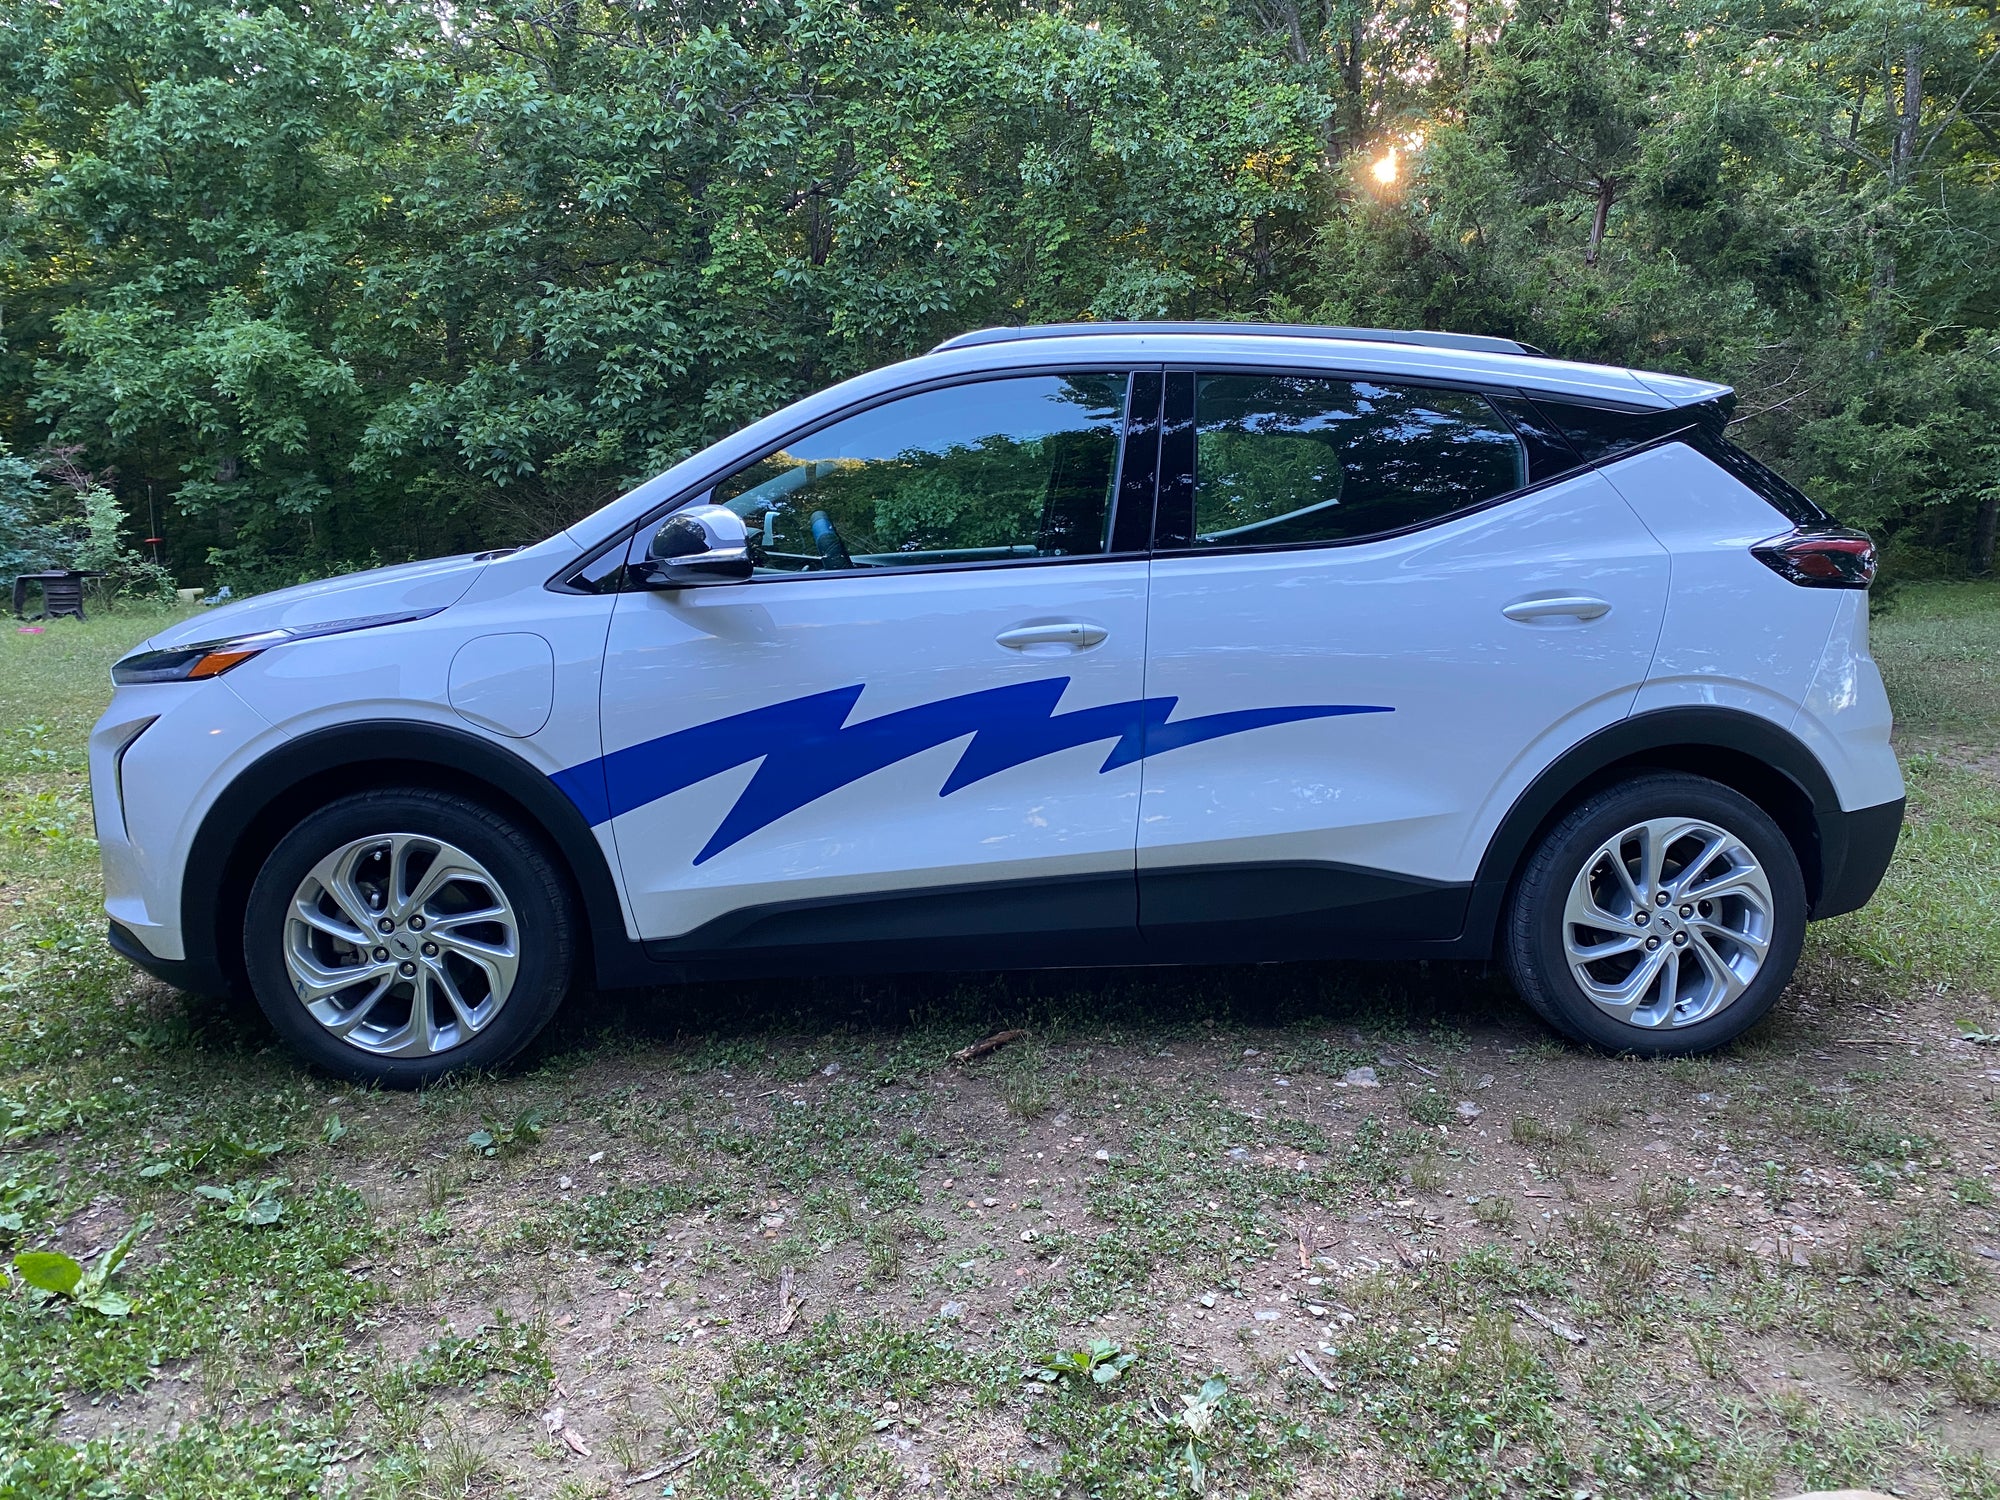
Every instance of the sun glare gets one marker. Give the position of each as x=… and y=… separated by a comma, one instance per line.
x=1385, y=167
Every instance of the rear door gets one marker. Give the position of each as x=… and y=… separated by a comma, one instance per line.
x=1429, y=600
x=905, y=727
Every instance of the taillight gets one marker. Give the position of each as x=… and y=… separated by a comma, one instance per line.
x=1820, y=557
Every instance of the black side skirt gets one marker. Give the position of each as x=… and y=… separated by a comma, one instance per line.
x=1232, y=914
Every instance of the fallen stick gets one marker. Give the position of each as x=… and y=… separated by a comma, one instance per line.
x=1560, y=1330
x=1314, y=1370
x=993, y=1043
x=663, y=1470
x=788, y=1305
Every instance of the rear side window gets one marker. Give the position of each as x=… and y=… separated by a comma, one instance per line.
x=995, y=471
x=1290, y=459
x=1601, y=432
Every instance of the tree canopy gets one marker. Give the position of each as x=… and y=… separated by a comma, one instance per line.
x=359, y=280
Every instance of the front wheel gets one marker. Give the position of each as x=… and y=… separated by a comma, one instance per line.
x=396, y=936
x=1661, y=917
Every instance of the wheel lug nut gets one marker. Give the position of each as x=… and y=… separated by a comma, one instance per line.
x=417, y=923
x=383, y=924
x=406, y=968
x=1643, y=918
x=381, y=955
x=1687, y=911
x=1660, y=899
x=1680, y=939
x=430, y=950
x=1652, y=942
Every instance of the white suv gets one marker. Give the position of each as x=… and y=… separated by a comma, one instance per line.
x=1090, y=644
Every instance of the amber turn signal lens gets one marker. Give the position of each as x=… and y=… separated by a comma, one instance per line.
x=217, y=662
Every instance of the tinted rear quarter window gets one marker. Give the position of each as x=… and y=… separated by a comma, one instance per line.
x=1604, y=434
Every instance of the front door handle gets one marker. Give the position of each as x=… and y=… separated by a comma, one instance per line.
x=1064, y=635
x=1577, y=606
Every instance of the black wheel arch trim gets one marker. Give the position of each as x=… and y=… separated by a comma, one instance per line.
x=260, y=803
x=1841, y=853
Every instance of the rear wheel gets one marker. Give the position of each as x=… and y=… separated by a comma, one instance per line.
x=395, y=936
x=1661, y=916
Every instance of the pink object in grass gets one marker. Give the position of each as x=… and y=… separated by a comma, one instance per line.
x=30, y=629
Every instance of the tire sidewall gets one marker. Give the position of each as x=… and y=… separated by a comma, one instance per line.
x=517, y=862
x=1536, y=950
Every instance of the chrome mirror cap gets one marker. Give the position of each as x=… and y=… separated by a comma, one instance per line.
x=700, y=544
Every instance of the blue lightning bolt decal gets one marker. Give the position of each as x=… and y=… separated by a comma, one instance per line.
x=808, y=749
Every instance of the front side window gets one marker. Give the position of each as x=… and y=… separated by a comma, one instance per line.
x=997, y=470
x=1286, y=459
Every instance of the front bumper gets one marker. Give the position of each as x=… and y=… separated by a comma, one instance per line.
x=183, y=974
x=1854, y=851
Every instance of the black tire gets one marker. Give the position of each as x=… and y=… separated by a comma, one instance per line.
x=517, y=862
x=1533, y=937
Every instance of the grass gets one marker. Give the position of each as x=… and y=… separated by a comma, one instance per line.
x=763, y=1240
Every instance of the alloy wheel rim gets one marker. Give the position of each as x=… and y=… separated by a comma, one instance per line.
x=402, y=945
x=1668, y=923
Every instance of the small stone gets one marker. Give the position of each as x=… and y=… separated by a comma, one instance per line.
x=829, y=1070
x=1267, y=1315
x=1239, y=1153
x=1468, y=1111
x=773, y=1221
x=951, y=1312
x=988, y=1202
x=1249, y=1051
x=1361, y=1078
x=1104, y=1156
x=564, y=1184
x=1315, y=1309
x=1485, y=1081
x=595, y=1157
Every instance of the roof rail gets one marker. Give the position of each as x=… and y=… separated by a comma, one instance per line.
x=1477, y=342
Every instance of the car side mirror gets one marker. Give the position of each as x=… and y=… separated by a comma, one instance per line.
x=701, y=544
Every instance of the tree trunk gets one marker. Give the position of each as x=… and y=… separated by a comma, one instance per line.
x=1985, y=528
x=1606, y=190
x=1902, y=163
x=1903, y=155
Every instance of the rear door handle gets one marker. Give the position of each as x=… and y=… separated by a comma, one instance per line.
x=1578, y=606
x=1065, y=635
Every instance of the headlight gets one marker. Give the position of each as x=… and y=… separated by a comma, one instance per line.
x=213, y=658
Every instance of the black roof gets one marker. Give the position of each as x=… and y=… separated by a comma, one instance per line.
x=1478, y=342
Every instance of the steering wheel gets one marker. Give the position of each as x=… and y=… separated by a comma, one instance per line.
x=832, y=550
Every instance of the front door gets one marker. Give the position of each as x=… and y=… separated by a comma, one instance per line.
x=903, y=728
x=1398, y=558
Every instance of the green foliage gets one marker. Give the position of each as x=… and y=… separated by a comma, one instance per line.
x=55, y=1274
x=250, y=1202
x=340, y=284
x=102, y=548
x=1098, y=1363
x=27, y=542
x=497, y=1137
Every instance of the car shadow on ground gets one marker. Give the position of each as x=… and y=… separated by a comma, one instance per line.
x=1383, y=999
